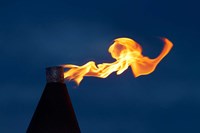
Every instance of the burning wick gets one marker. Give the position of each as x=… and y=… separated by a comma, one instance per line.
x=127, y=53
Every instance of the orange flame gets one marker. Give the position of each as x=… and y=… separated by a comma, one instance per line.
x=127, y=53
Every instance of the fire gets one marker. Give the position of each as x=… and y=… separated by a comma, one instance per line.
x=127, y=53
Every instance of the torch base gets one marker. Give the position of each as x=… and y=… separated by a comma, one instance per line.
x=54, y=113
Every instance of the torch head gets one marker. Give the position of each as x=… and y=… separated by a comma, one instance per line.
x=55, y=74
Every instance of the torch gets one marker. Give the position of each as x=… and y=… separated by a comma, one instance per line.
x=54, y=112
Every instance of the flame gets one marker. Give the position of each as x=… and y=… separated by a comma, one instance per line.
x=127, y=53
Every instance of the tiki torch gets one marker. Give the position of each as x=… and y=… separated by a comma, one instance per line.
x=55, y=114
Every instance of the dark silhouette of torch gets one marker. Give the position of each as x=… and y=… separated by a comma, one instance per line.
x=54, y=112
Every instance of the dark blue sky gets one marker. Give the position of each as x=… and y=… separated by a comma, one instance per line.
x=40, y=33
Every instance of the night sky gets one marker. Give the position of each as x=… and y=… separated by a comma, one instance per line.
x=41, y=33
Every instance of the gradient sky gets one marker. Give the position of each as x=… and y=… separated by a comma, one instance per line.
x=40, y=33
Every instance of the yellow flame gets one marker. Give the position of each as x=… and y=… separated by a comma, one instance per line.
x=127, y=53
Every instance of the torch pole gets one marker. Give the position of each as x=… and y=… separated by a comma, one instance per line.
x=54, y=112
